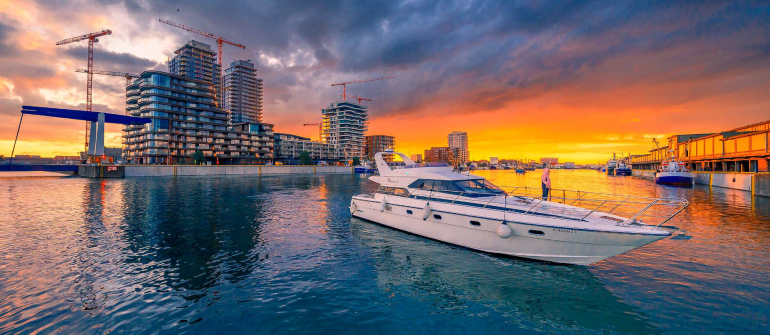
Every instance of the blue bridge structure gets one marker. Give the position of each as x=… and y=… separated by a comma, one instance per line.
x=96, y=137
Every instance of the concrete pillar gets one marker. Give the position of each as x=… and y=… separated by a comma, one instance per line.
x=99, y=149
x=92, y=139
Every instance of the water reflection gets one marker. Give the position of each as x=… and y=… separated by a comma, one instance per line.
x=532, y=295
x=282, y=255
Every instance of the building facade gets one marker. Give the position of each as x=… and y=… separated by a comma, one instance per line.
x=742, y=149
x=549, y=161
x=195, y=60
x=417, y=158
x=458, y=142
x=185, y=119
x=438, y=154
x=344, y=125
x=288, y=147
x=242, y=92
x=379, y=143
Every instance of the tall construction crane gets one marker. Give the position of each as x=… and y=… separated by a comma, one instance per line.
x=346, y=83
x=219, y=39
x=357, y=98
x=128, y=76
x=319, y=129
x=92, y=38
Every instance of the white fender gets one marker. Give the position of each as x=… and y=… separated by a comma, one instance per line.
x=383, y=204
x=353, y=207
x=504, y=231
x=426, y=211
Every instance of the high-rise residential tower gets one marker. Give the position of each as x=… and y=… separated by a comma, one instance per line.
x=184, y=120
x=243, y=92
x=343, y=125
x=195, y=60
x=458, y=143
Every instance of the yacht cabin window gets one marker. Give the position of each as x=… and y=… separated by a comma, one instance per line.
x=473, y=187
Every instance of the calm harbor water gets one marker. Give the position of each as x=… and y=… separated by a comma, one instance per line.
x=282, y=255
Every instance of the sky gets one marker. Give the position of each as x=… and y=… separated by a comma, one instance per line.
x=576, y=80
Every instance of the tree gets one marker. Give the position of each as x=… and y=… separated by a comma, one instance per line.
x=304, y=158
x=356, y=161
x=198, y=157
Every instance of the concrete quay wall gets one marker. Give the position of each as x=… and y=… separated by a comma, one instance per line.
x=757, y=183
x=218, y=170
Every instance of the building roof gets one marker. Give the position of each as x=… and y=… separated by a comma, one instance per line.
x=730, y=134
x=685, y=137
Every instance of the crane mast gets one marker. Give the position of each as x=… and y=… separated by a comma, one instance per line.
x=92, y=37
x=219, y=39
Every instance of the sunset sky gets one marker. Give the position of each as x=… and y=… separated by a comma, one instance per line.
x=575, y=80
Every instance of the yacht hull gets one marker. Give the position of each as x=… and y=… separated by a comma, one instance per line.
x=623, y=172
x=529, y=238
x=674, y=178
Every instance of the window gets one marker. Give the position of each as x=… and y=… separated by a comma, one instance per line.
x=475, y=223
x=409, y=211
x=479, y=187
x=536, y=232
x=437, y=217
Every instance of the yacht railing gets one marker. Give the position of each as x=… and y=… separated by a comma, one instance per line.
x=624, y=209
x=656, y=211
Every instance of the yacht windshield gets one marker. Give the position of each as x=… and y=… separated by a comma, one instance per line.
x=468, y=187
x=479, y=187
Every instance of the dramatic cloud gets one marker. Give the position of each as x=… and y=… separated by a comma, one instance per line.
x=524, y=78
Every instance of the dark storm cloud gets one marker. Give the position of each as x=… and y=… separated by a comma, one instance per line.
x=481, y=54
x=111, y=61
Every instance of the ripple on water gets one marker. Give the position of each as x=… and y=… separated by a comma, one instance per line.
x=282, y=255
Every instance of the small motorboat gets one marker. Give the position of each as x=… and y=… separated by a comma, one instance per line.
x=365, y=167
x=433, y=201
x=674, y=172
x=622, y=169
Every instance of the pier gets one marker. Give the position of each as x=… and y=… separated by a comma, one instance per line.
x=743, y=149
x=756, y=183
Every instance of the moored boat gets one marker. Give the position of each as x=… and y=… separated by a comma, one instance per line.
x=435, y=202
x=674, y=173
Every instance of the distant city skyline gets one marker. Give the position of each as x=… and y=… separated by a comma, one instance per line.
x=580, y=84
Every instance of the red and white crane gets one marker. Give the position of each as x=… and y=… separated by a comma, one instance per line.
x=128, y=76
x=346, y=83
x=92, y=38
x=219, y=39
x=357, y=98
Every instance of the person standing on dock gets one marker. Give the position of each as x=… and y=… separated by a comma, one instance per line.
x=546, y=179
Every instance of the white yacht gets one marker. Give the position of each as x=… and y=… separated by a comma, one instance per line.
x=433, y=201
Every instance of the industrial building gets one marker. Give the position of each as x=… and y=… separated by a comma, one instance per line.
x=379, y=143
x=457, y=141
x=742, y=149
x=195, y=60
x=344, y=125
x=185, y=119
x=242, y=92
x=288, y=147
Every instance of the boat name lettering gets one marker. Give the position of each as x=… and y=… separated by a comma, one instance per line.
x=569, y=231
x=392, y=181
